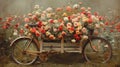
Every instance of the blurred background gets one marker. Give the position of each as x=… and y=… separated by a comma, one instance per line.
x=20, y=7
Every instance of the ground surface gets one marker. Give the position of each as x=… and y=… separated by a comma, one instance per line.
x=65, y=60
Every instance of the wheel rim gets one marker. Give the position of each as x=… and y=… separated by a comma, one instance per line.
x=98, y=52
x=22, y=57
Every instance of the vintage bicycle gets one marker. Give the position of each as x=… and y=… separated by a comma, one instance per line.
x=27, y=49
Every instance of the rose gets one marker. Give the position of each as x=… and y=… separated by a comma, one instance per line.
x=106, y=23
x=15, y=32
x=37, y=33
x=90, y=20
x=97, y=26
x=96, y=32
x=16, y=25
x=60, y=28
x=68, y=8
x=55, y=29
x=76, y=24
x=49, y=15
x=39, y=23
x=75, y=20
x=69, y=25
x=52, y=37
x=21, y=31
x=34, y=17
x=59, y=9
x=66, y=19
x=26, y=19
x=26, y=26
x=48, y=33
x=63, y=33
x=49, y=9
x=55, y=21
x=83, y=8
x=71, y=29
x=33, y=30
x=36, y=7
x=84, y=30
x=51, y=20
x=64, y=14
x=76, y=6
x=73, y=40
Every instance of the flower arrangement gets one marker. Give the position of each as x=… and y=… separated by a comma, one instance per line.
x=68, y=22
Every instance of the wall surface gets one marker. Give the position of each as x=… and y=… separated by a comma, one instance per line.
x=20, y=7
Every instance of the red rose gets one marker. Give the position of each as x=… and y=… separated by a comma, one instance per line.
x=111, y=30
x=106, y=23
x=60, y=28
x=51, y=21
x=21, y=31
x=33, y=30
x=16, y=25
x=90, y=20
x=0, y=19
x=5, y=27
x=9, y=19
x=43, y=31
x=39, y=23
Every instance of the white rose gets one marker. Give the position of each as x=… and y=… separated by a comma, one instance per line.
x=65, y=19
x=36, y=7
x=73, y=40
x=85, y=37
x=76, y=6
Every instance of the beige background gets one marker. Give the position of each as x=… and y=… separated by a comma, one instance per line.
x=20, y=7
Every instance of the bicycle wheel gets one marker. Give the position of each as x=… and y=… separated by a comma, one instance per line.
x=97, y=50
x=19, y=51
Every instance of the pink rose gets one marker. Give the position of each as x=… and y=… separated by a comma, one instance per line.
x=27, y=20
x=68, y=8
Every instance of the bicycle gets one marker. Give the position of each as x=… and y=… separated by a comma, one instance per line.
x=27, y=49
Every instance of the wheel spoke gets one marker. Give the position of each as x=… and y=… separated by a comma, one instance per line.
x=20, y=55
x=97, y=50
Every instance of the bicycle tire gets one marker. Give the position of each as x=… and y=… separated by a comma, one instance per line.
x=91, y=56
x=20, y=57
